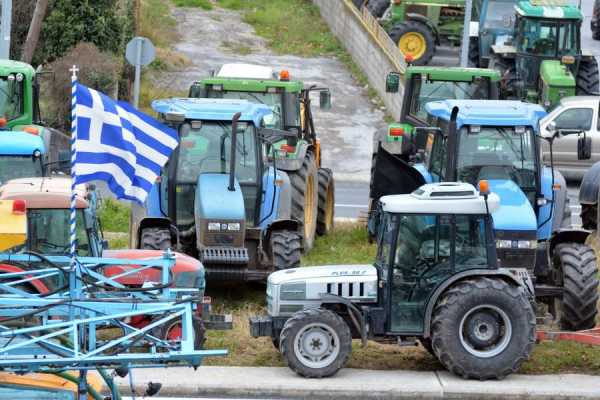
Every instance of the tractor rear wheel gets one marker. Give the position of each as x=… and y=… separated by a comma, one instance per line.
x=587, y=77
x=286, y=249
x=305, y=199
x=326, y=202
x=483, y=328
x=579, y=305
x=155, y=239
x=508, y=76
x=316, y=343
x=378, y=7
x=474, y=52
x=416, y=39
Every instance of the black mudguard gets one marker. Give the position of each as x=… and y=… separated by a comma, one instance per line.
x=590, y=184
x=393, y=175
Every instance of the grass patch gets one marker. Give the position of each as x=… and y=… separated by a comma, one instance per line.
x=114, y=216
x=203, y=4
x=156, y=23
x=347, y=244
x=237, y=48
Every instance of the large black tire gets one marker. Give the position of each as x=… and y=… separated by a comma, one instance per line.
x=155, y=239
x=589, y=214
x=305, y=199
x=470, y=334
x=508, y=77
x=378, y=7
x=579, y=305
x=408, y=27
x=328, y=349
x=587, y=80
x=325, y=215
x=474, y=52
x=286, y=249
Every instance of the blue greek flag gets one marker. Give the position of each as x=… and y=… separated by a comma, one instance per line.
x=118, y=144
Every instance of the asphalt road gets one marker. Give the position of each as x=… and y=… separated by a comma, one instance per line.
x=352, y=197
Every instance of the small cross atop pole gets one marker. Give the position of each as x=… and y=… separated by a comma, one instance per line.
x=74, y=70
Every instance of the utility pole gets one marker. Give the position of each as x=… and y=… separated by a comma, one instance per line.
x=5, y=26
x=464, y=49
x=33, y=34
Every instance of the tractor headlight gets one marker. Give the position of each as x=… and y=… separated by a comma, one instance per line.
x=527, y=244
x=233, y=226
x=516, y=244
x=214, y=226
x=293, y=291
x=503, y=244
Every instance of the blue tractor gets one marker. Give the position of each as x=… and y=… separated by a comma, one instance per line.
x=220, y=197
x=21, y=155
x=498, y=141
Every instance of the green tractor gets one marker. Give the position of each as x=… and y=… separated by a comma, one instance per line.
x=289, y=100
x=423, y=84
x=542, y=61
x=418, y=26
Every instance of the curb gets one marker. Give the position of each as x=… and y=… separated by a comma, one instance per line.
x=355, y=384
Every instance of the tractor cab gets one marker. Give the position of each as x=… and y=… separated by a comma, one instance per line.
x=21, y=155
x=494, y=20
x=19, y=94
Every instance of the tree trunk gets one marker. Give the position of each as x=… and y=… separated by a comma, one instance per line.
x=34, y=31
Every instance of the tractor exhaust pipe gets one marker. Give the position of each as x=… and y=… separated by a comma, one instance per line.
x=234, y=123
x=452, y=147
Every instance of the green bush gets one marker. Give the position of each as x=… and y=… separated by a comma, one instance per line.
x=114, y=216
x=204, y=4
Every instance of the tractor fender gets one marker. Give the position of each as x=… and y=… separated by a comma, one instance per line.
x=590, y=185
x=560, y=200
x=284, y=209
x=423, y=19
x=37, y=284
x=504, y=274
x=157, y=222
x=567, y=235
x=294, y=164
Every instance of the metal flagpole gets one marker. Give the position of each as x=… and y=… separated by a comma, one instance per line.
x=82, y=384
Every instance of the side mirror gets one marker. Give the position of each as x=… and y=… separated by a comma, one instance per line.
x=325, y=100
x=392, y=82
x=104, y=244
x=584, y=147
x=551, y=127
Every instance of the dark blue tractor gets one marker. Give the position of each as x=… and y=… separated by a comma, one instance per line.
x=221, y=197
x=493, y=23
x=498, y=141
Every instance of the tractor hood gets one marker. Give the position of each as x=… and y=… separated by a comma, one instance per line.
x=515, y=212
x=325, y=272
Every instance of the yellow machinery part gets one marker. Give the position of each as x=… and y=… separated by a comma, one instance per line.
x=49, y=381
x=13, y=227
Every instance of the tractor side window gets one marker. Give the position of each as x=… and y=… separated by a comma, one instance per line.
x=422, y=258
x=11, y=98
x=539, y=37
x=575, y=118
x=386, y=237
x=48, y=232
x=470, y=245
x=438, y=156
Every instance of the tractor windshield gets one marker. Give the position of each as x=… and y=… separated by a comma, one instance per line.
x=11, y=97
x=497, y=153
x=547, y=37
x=207, y=150
x=14, y=167
x=427, y=91
x=273, y=100
x=499, y=15
x=48, y=232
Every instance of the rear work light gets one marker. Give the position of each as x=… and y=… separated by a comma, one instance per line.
x=19, y=207
x=396, y=132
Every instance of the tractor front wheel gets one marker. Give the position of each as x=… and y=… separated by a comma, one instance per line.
x=305, y=198
x=416, y=39
x=326, y=202
x=587, y=77
x=316, y=343
x=483, y=328
x=286, y=249
x=155, y=239
x=579, y=305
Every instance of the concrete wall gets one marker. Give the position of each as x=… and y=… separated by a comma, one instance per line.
x=368, y=44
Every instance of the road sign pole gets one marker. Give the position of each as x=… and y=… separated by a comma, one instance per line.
x=5, y=26
x=138, y=73
x=464, y=49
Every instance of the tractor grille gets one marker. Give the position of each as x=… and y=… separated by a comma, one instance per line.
x=224, y=255
x=347, y=289
x=517, y=258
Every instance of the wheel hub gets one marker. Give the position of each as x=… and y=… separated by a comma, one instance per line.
x=316, y=345
x=412, y=43
x=485, y=331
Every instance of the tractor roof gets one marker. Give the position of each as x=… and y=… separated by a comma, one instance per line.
x=456, y=74
x=556, y=9
x=488, y=112
x=52, y=192
x=441, y=198
x=13, y=67
x=250, y=78
x=213, y=109
x=19, y=143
